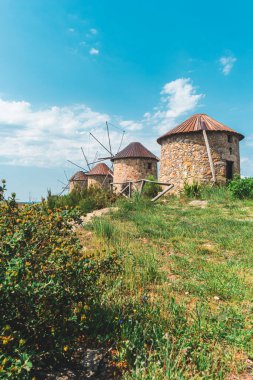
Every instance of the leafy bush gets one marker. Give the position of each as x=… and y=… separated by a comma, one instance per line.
x=48, y=288
x=241, y=187
x=192, y=190
x=150, y=189
x=87, y=200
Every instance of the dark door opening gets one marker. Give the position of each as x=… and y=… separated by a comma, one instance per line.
x=229, y=170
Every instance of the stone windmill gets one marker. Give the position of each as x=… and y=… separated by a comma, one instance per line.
x=201, y=149
x=78, y=181
x=133, y=163
x=100, y=176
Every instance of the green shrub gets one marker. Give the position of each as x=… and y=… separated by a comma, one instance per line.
x=150, y=189
x=87, y=205
x=47, y=287
x=192, y=190
x=241, y=187
x=87, y=200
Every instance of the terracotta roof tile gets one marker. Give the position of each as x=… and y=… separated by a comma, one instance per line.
x=100, y=169
x=79, y=176
x=135, y=150
x=199, y=122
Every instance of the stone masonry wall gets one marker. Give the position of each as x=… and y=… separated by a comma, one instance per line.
x=77, y=185
x=132, y=169
x=99, y=181
x=184, y=158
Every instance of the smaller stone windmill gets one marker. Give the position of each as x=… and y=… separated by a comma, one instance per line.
x=100, y=176
x=133, y=163
x=131, y=167
x=78, y=181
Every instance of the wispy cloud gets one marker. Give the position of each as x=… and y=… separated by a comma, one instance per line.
x=93, y=31
x=94, y=51
x=250, y=140
x=48, y=137
x=131, y=125
x=71, y=30
x=247, y=165
x=227, y=64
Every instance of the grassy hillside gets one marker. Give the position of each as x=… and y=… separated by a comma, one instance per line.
x=179, y=304
x=163, y=291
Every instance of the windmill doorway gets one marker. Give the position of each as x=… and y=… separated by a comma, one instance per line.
x=229, y=170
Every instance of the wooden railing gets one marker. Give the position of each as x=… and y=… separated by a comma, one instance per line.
x=127, y=191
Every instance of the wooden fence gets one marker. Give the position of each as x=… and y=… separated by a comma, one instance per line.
x=127, y=191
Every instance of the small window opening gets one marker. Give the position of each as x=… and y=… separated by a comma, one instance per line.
x=230, y=150
x=149, y=166
x=230, y=138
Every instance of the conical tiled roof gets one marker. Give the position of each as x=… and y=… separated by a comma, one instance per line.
x=79, y=176
x=199, y=122
x=135, y=150
x=100, y=169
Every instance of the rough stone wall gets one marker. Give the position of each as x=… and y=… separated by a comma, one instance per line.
x=99, y=181
x=77, y=185
x=184, y=158
x=132, y=169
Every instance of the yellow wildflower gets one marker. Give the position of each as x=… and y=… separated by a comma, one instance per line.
x=6, y=339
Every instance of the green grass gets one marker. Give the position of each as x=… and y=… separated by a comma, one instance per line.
x=183, y=290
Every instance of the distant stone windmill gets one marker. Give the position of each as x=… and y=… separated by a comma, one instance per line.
x=133, y=163
x=131, y=168
x=99, y=175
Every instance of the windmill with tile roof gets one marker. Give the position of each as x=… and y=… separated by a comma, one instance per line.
x=133, y=163
x=199, y=150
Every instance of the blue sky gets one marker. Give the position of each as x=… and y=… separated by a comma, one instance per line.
x=68, y=66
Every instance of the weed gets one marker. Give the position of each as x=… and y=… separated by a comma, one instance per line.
x=104, y=229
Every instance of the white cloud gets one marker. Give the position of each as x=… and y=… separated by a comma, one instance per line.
x=130, y=125
x=94, y=51
x=177, y=98
x=48, y=137
x=71, y=30
x=93, y=31
x=244, y=160
x=227, y=63
x=45, y=137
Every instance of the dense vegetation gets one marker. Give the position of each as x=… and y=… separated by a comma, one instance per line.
x=167, y=285
x=238, y=188
x=48, y=290
x=241, y=187
x=85, y=200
